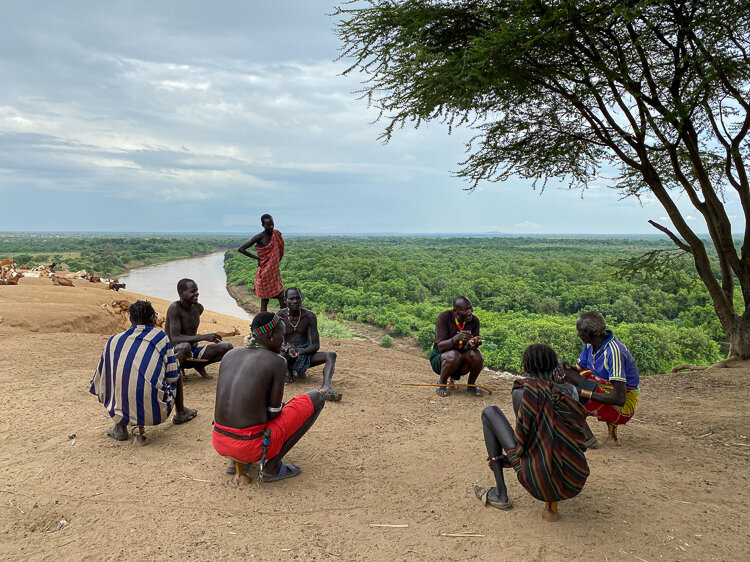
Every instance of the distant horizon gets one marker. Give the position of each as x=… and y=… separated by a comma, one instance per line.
x=352, y=234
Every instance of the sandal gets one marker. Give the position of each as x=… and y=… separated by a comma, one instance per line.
x=484, y=496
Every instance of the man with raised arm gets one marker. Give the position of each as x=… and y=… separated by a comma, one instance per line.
x=269, y=246
x=606, y=375
x=302, y=334
x=248, y=401
x=456, y=352
x=138, y=378
x=183, y=319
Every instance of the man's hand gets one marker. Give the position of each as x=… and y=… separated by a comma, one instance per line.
x=463, y=335
x=564, y=371
x=474, y=342
x=213, y=338
x=291, y=353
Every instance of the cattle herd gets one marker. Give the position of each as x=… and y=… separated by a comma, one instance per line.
x=10, y=275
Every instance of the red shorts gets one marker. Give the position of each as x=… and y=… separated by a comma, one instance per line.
x=609, y=412
x=294, y=413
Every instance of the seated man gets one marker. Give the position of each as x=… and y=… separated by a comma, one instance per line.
x=546, y=447
x=606, y=375
x=455, y=351
x=138, y=378
x=302, y=334
x=248, y=401
x=183, y=319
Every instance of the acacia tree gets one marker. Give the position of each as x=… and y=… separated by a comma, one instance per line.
x=656, y=89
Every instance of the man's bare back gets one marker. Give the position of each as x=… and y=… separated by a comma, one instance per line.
x=250, y=380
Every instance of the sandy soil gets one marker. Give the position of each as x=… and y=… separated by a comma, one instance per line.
x=677, y=488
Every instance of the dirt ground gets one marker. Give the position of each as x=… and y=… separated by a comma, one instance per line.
x=676, y=489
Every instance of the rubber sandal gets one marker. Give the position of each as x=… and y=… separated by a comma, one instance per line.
x=483, y=494
x=288, y=470
x=189, y=417
x=332, y=395
x=111, y=433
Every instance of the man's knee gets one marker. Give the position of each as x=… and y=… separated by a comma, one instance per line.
x=450, y=357
x=331, y=356
x=182, y=351
x=318, y=400
x=474, y=358
x=224, y=347
x=489, y=412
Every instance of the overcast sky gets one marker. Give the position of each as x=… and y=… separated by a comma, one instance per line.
x=195, y=116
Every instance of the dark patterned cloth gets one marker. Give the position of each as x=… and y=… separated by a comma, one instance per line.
x=268, y=278
x=302, y=363
x=549, y=459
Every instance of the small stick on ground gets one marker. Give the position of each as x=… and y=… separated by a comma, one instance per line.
x=487, y=390
x=688, y=368
x=388, y=525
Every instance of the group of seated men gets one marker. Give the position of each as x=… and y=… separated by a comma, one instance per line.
x=139, y=377
x=139, y=380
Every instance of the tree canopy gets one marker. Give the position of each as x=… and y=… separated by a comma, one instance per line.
x=656, y=90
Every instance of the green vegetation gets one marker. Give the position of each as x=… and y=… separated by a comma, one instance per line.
x=524, y=290
x=656, y=91
x=107, y=254
x=386, y=341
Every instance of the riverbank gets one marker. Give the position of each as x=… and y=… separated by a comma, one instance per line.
x=384, y=455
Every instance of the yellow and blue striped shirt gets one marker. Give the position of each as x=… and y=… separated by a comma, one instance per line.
x=612, y=362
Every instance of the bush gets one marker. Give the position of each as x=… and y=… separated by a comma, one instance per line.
x=386, y=341
x=426, y=337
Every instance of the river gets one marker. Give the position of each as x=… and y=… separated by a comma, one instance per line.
x=160, y=281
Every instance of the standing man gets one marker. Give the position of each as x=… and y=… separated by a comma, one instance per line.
x=248, y=402
x=183, y=319
x=302, y=334
x=138, y=378
x=455, y=351
x=606, y=375
x=269, y=245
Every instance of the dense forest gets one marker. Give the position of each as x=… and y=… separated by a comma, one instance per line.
x=107, y=254
x=524, y=290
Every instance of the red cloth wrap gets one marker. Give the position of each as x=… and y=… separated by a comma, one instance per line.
x=604, y=412
x=268, y=277
x=294, y=413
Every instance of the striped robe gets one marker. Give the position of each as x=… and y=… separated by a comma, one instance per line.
x=549, y=459
x=136, y=377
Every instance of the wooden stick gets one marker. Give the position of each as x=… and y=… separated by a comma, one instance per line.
x=460, y=535
x=388, y=525
x=487, y=390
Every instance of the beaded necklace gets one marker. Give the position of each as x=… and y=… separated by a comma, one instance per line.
x=460, y=329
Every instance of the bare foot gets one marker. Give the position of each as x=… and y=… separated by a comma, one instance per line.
x=202, y=372
x=550, y=512
x=241, y=479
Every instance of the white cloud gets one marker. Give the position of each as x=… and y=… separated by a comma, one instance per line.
x=527, y=225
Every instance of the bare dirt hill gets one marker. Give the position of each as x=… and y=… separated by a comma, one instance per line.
x=677, y=488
